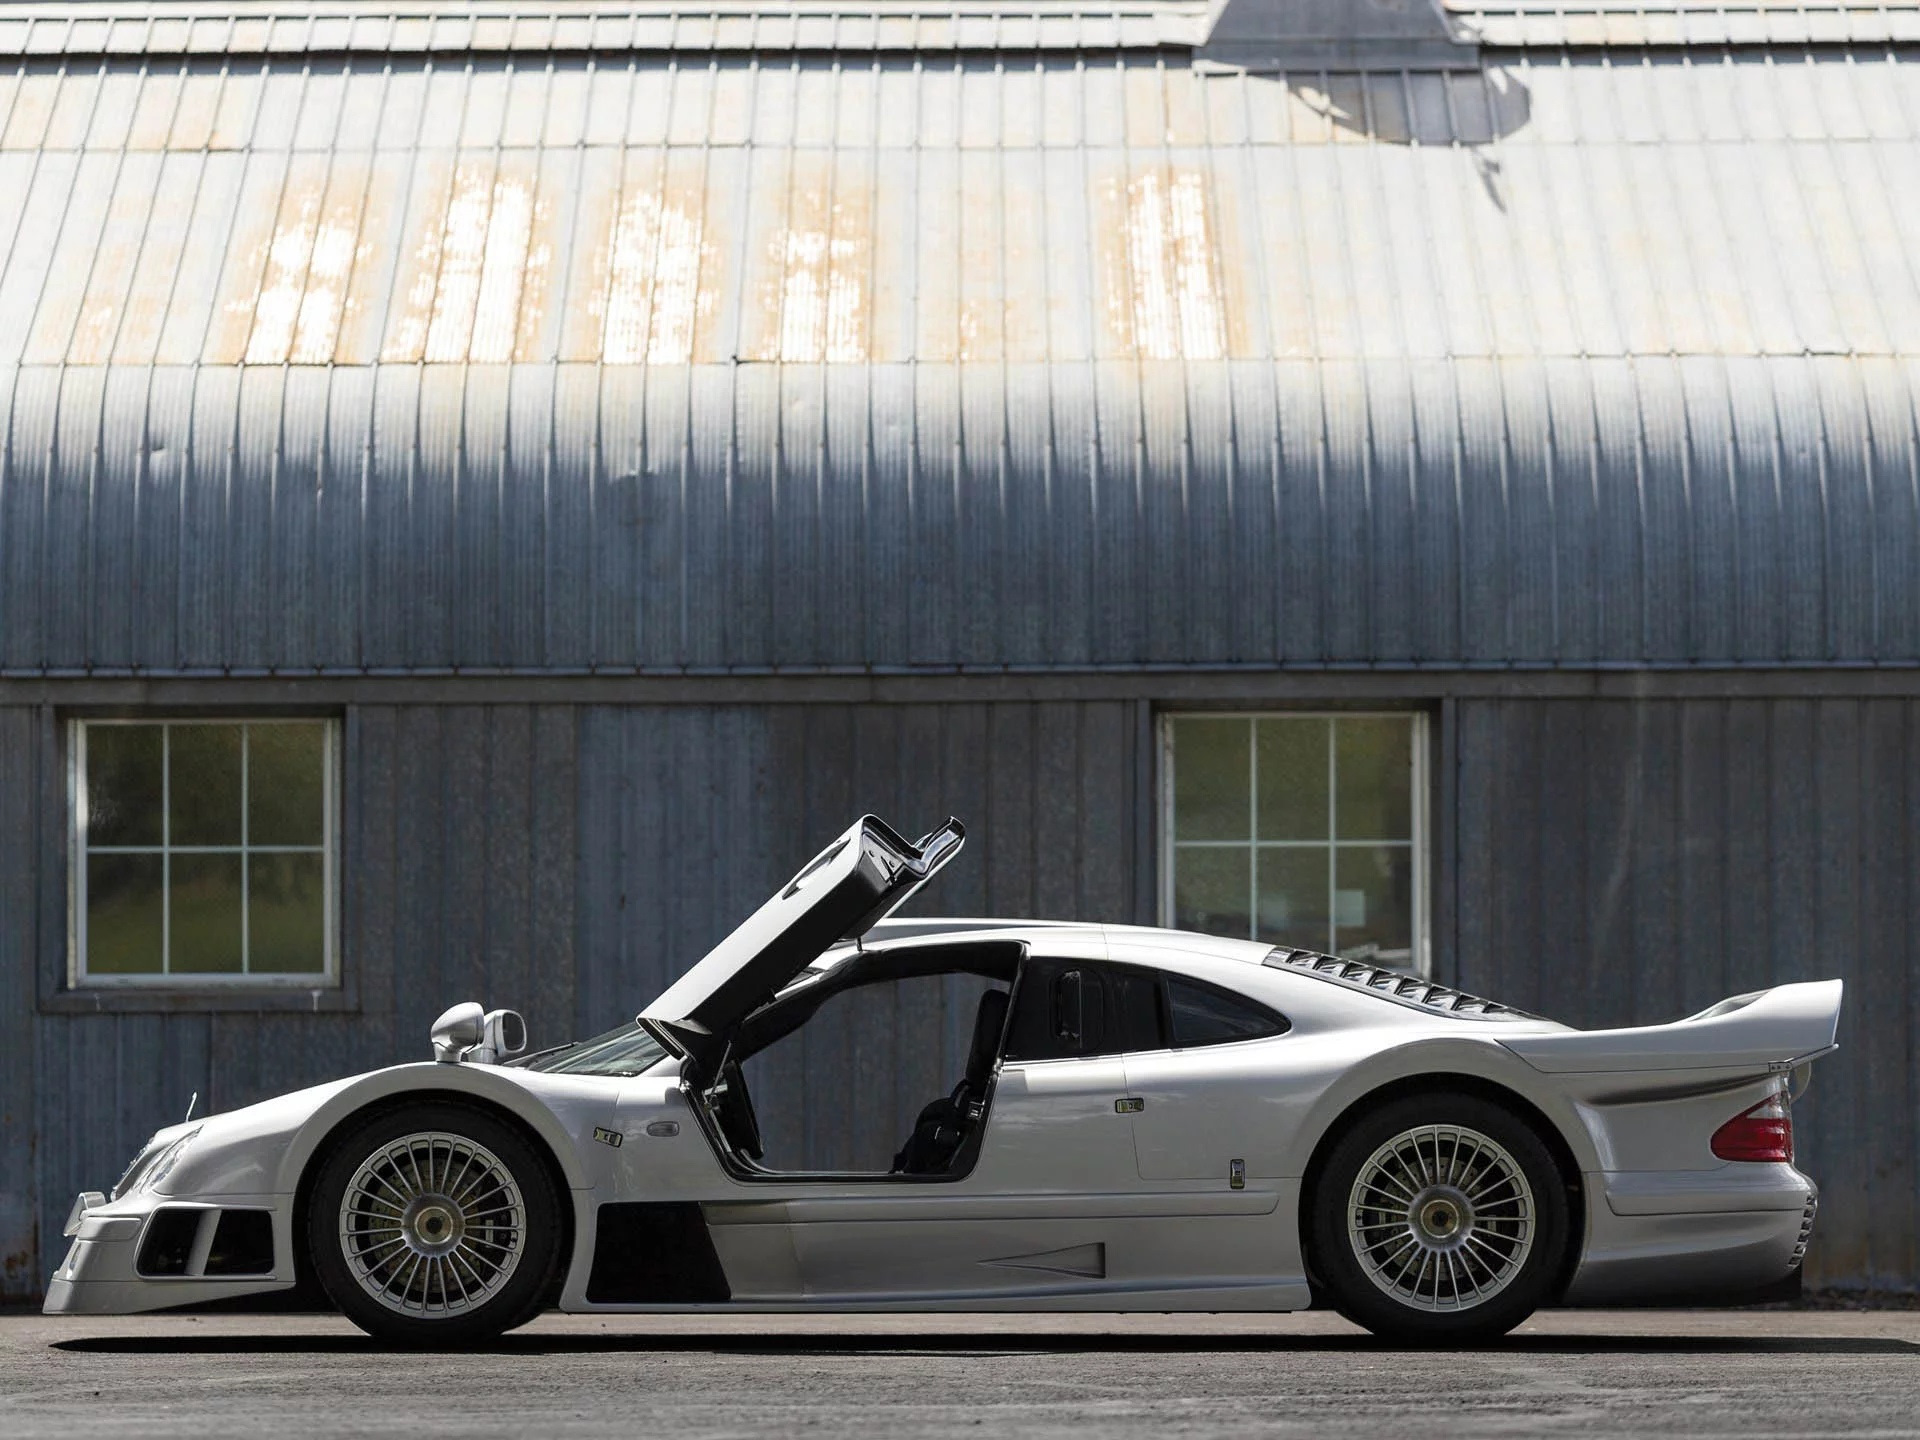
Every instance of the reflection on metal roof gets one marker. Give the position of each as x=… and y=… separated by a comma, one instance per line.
x=658, y=362
x=228, y=213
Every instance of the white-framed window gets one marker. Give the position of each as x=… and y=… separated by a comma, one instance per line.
x=1298, y=828
x=204, y=851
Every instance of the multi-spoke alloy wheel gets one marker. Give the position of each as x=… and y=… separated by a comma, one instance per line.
x=437, y=1223
x=432, y=1224
x=1441, y=1217
x=1438, y=1218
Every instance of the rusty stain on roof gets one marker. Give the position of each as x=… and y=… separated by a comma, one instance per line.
x=400, y=212
x=656, y=256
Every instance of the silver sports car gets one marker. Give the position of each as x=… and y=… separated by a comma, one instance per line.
x=1146, y=1119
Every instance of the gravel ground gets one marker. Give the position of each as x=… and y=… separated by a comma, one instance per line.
x=1748, y=1374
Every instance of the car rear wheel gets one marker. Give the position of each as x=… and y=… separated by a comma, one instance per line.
x=1440, y=1219
x=435, y=1224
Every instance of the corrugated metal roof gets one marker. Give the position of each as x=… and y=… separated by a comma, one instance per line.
x=663, y=362
x=252, y=27
x=275, y=27
x=1688, y=22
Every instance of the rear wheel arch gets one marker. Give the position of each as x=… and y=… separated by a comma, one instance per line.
x=1522, y=1109
x=353, y=1119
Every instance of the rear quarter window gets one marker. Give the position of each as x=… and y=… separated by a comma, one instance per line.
x=1202, y=1015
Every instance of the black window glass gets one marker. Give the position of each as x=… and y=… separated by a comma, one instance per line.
x=1059, y=1012
x=1066, y=1009
x=1199, y=1015
x=1133, y=1006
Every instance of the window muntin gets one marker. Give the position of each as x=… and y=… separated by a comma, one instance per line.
x=203, y=851
x=1299, y=829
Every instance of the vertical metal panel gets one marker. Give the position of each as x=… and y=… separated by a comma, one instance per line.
x=19, y=940
x=1253, y=540
x=1630, y=862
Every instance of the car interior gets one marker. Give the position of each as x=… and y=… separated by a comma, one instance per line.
x=1029, y=1009
x=945, y=1135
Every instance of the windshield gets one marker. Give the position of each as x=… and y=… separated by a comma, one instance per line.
x=626, y=1050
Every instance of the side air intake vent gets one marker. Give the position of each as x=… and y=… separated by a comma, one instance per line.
x=1399, y=985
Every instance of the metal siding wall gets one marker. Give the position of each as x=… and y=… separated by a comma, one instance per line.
x=458, y=866
x=691, y=815
x=1627, y=863
x=20, y=1271
x=1615, y=863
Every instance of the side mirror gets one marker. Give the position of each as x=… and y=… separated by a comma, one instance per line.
x=504, y=1035
x=457, y=1031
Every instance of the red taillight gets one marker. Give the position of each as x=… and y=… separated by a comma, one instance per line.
x=1763, y=1133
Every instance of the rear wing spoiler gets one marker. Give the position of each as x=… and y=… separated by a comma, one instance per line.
x=1768, y=1030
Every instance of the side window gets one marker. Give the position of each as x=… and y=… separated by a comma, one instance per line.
x=1068, y=1009
x=1059, y=1012
x=1136, y=1010
x=1201, y=1015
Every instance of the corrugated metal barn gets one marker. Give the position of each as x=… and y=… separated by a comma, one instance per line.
x=597, y=451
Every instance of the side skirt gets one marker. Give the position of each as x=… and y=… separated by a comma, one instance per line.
x=654, y=1254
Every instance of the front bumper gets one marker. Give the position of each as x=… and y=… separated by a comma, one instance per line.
x=155, y=1252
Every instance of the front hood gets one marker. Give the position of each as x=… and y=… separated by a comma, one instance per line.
x=840, y=894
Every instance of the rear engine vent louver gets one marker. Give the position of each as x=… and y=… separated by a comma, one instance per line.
x=1398, y=985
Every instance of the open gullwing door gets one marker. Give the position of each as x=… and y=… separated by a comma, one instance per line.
x=849, y=887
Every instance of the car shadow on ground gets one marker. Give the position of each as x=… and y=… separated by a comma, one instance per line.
x=934, y=1343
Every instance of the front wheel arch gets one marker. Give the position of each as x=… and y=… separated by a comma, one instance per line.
x=307, y=1279
x=1518, y=1105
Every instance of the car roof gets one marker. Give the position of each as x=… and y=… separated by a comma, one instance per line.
x=1063, y=934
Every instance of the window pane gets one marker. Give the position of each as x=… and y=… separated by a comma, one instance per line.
x=205, y=933
x=1206, y=1017
x=123, y=913
x=1210, y=890
x=1373, y=762
x=1373, y=904
x=1293, y=779
x=286, y=771
x=286, y=915
x=1293, y=897
x=1133, y=998
x=204, y=785
x=1210, y=779
x=123, y=786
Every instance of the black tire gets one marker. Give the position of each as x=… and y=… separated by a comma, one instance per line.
x=1443, y=1232
x=501, y=1231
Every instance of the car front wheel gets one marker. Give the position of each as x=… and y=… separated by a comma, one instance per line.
x=434, y=1224
x=1439, y=1219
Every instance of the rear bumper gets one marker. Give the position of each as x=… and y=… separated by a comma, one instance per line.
x=101, y=1274
x=1738, y=1244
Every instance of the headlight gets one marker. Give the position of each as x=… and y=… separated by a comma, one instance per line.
x=151, y=1165
x=135, y=1171
x=168, y=1158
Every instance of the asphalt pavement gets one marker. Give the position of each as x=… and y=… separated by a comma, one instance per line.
x=1749, y=1374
